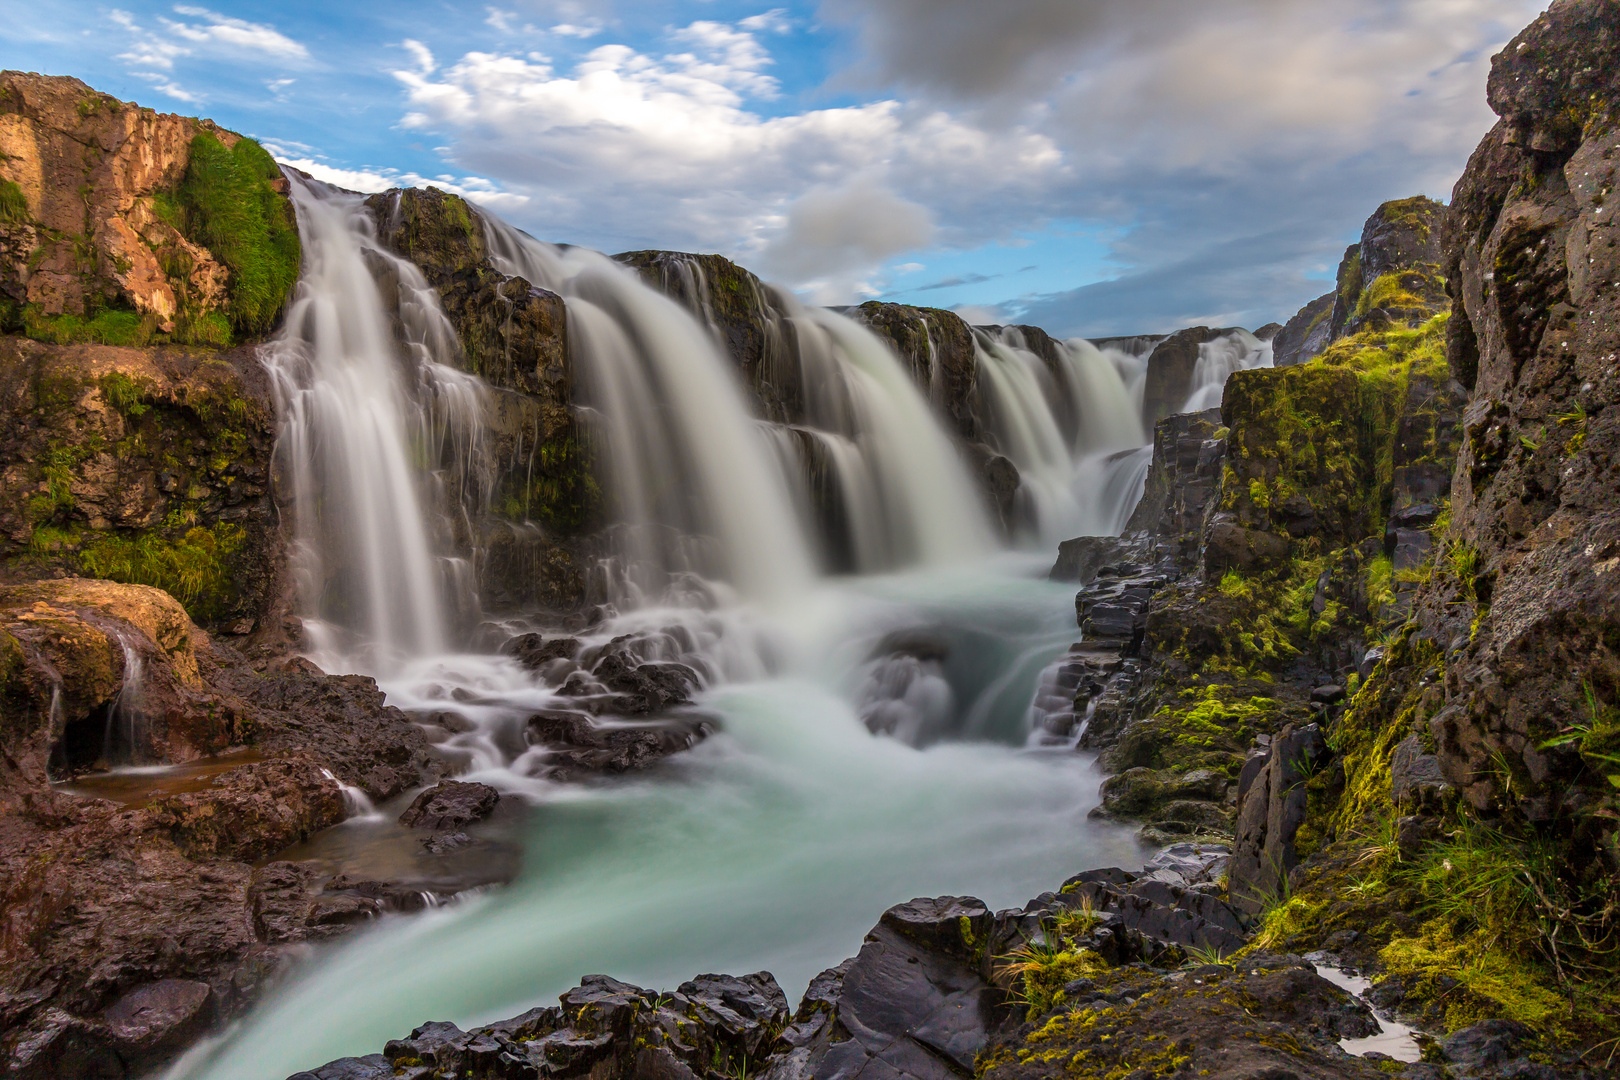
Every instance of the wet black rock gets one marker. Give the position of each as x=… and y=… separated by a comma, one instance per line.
x=534, y=651
x=450, y=804
x=577, y=745
x=443, y=843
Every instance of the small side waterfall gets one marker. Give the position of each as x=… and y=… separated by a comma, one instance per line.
x=1238, y=350
x=1067, y=422
x=126, y=714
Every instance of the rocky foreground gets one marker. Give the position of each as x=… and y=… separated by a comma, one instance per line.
x=1116, y=974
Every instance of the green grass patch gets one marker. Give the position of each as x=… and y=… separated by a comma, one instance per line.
x=107, y=327
x=193, y=568
x=230, y=208
x=13, y=203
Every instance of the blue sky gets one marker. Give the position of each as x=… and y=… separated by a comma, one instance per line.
x=1092, y=166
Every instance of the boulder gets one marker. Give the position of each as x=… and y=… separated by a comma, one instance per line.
x=450, y=805
x=1272, y=801
x=1187, y=864
x=578, y=747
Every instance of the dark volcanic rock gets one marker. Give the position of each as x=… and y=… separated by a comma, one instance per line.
x=936, y=347
x=449, y=805
x=534, y=651
x=1306, y=334
x=513, y=335
x=1271, y=808
x=743, y=314
x=1170, y=372
x=579, y=746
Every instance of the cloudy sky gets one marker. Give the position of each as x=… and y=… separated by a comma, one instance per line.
x=1091, y=166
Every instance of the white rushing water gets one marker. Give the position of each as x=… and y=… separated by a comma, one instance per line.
x=1071, y=424
x=1236, y=350
x=826, y=580
x=364, y=553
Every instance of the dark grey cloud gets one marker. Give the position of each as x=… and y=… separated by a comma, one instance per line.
x=1235, y=145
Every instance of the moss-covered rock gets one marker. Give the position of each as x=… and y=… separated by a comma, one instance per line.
x=936, y=346
x=744, y=316
x=144, y=466
x=545, y=495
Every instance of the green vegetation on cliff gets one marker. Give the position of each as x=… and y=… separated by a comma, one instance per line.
x=230, y=207
x=13, y=203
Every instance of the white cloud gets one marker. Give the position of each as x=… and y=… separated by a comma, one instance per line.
x=629, y=148
x=982, y=314
x=165, y=85
x=577, y=30
x=774, y=21
x=421, y=54
x=146, y=50
x=833, y=235
x=1234, y=144
x=236, y=34
x=151, y=53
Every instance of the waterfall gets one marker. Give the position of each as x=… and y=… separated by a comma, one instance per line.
x=1068, y=424
x=357, y=403
x=865, y=479
x=904, y=492
x=692, y=473
x=126, y=715
x=1237, y=350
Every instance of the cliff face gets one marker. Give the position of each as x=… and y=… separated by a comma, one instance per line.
x=1519, y=621
x=544, y=497
x=119, y=223
x=133, y=245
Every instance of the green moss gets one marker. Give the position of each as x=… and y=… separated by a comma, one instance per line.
x=231, y=209
x=194, y=567
x=1392, y=291
x=13, y=203
x=123, y=394
x=1350, y=280
x=559, y=491
x=106, y=327
x=1042, y=973
x=1475, y=979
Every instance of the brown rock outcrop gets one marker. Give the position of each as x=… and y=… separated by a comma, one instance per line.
x=145, y=465
x=91, y=169
x=129, y=927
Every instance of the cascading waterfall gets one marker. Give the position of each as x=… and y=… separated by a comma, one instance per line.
x=692, y=474
x=365, y=555
x=773, y=844
x=688, y=461
x=1068, y=424
x=901, y=487
x=1236, y=350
